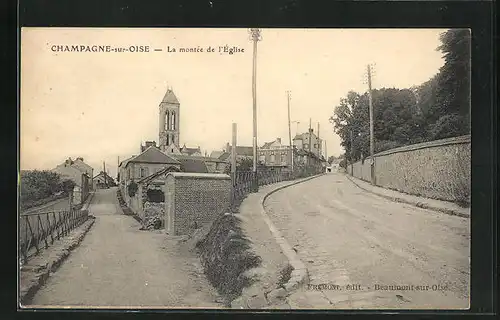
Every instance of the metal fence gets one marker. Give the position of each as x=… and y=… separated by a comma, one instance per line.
x=38, y=230
x=243, y=181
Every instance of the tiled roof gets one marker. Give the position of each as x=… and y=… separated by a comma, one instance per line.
x=267, y=145
x=158, y=173
x=242, y=151
x=190, y=151
x=193, y=165
x=216, y=154
x=200, y=158
x=124, y=162
x=153, y=155
x=224, y=156
x=170, y=97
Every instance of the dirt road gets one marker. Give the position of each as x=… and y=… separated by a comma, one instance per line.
x=391, y=255
x=117, y=265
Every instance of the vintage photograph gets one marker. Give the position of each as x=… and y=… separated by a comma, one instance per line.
x=235, y=168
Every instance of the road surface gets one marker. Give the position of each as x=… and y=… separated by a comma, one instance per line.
x=391, y=254
x=117, y=265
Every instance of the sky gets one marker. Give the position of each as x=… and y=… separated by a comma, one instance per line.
x=102, y=105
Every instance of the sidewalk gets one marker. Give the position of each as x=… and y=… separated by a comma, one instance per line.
x=275, y=252
x=425, y=203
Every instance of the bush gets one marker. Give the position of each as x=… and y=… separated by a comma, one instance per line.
x=132, y=189
x=451, y=125
x=225, y=256
x=38, y=187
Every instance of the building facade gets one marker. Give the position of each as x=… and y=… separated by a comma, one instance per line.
x=275, y=154
x=308, y=141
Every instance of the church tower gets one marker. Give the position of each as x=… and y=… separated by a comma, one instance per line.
x=169, y=123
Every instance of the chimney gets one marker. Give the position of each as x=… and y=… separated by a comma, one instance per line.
x=79, y=158
x=227, y=147
x=278, y=140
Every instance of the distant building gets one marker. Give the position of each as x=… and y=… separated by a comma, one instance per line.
x=191, y=151
x=78, y=172
x=148, y=162
x=308, y=141
x=275, y=154
x=103, y=180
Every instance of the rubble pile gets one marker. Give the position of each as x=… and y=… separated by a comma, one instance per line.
x=153, y=215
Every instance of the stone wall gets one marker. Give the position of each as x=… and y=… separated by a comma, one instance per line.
x=194, y=199
x=438, y=169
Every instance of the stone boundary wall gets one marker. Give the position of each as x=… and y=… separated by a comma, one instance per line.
x=194, y=199
x=437, y=169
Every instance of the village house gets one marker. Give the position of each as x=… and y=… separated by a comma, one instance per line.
x=308, y=141
x=76, y=171
x=146, y=163
x=275, y=154
x=103, y=180
x=242, y=153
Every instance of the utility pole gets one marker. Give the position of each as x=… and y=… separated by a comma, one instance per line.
x=319, y=144
x=255, y=33
x=290, y=131
x=326, y=154
x=105, y=179
x=233, y=162
x=310, y=134
x=372, y=138
x=352, y=153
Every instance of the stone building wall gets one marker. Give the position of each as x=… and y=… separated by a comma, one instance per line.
x=438, y=169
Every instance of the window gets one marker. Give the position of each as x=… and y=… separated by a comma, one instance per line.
x=262, y=158
x=143, y=172
x=167, y=120
x=172, y=127
x=306, y=146
x=168, y=140
x=262, y=153
x=273, y=157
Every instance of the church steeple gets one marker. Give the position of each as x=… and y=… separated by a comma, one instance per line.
x=169, y=122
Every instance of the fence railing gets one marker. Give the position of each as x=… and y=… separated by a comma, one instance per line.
x=242, y=182
x=38, y=230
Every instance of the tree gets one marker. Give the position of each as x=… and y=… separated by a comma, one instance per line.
x=452, y=92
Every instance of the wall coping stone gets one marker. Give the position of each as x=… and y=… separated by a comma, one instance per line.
x=429, y=144
x=192, y=175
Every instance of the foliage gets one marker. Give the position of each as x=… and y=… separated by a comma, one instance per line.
x=132, y=188
x=439, y=108
x=36, y=185
x=244, y=164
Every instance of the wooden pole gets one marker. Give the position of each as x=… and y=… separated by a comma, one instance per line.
x=372, y=138
x=290, y=131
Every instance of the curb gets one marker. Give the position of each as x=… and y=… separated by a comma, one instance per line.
x=299, y=274
x=422, y=205
x=42, y=273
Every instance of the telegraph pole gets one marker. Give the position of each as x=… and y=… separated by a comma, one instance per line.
x=290, y=131
x=105, y=179
x=372, y=138
x=255, y=33
x=319, y=145
x=310, y=134
x=352, y=153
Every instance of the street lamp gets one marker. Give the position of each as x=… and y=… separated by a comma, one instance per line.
x=255, y=37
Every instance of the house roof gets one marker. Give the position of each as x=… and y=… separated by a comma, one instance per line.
x=105, y=175
x=193, y=165
x=170, y=97
x=216, y=154
x=190, y=151
x=224, y=156
x=124, y=162
x=242, y=151
x=267, y=145
x=200, y=158
x=153, y=155
x=158, y=173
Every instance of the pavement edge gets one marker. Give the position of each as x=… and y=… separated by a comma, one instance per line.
x=422, y=205
x=299, y=276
